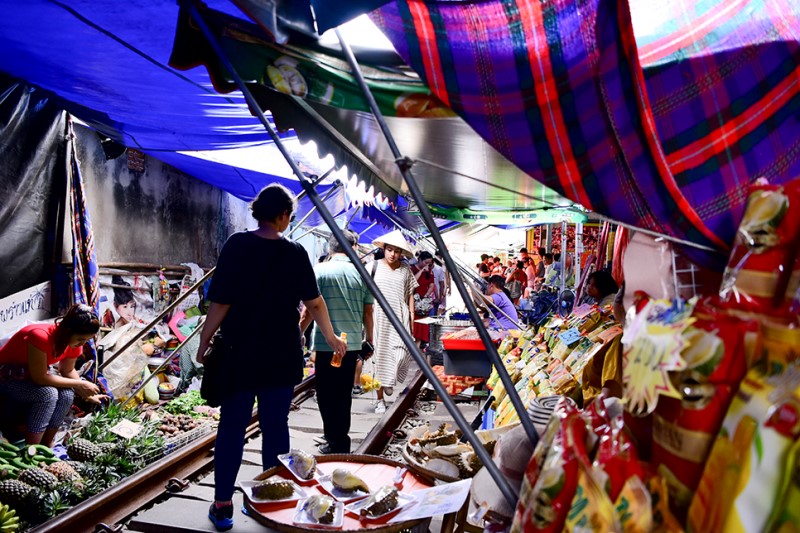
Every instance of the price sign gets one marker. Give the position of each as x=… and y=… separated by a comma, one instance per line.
x=570, y=337
x=126, y=429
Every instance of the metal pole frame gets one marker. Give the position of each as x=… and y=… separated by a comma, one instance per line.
x=145, y=330
x=458, y=417
x=336, y=185
x=404, y=164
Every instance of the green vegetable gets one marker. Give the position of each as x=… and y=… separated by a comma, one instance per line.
x=150, y=388
x=185, y=404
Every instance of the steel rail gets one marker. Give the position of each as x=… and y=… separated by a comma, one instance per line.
x=380, y=435
x=395, y=321
x=139, y=490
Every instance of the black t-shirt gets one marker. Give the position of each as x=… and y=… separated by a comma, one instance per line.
x=263, y=280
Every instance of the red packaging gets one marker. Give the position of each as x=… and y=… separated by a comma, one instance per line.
x=617, y=458
x=763, y=256
x=552, y=475
x=684, y=430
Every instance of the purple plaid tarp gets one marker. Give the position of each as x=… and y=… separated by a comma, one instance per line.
x=558, y=88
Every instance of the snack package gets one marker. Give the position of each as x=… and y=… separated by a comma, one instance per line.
x=684, y=429
x=551, y=477
x=591, y=509
x=663, y=520
x=786, y=517
x=741, y=482
x=763, y=256
x=634, y=507
x=780, y=347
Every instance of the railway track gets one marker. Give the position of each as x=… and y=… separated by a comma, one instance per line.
x=110, y=510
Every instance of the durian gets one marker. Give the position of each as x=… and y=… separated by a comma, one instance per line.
x=347, y=481
x=320, y=508
x=273, y=489
x=381, y=502
x=303, y=464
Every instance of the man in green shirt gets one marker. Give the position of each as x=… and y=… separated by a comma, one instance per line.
x=350, y=308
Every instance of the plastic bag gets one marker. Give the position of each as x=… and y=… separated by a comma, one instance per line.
x=762, y=261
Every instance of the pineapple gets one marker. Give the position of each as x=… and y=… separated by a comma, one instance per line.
x=37, y=477
x=14, y=491
x=63, y=471
x=83, y=450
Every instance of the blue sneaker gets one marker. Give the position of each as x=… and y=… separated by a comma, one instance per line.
x=221, y=517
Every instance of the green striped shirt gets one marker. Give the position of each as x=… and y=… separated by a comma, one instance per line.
x=345, y=294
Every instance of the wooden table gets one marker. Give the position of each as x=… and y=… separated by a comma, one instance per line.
x=375, y=471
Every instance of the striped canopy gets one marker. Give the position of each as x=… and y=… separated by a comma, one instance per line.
x=662, y=131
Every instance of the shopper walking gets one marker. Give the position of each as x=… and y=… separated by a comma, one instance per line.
x=350, y=307
x=260, y=280
x=397, y=284
x=426, y=288
x=25, y=376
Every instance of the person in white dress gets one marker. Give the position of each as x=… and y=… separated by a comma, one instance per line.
x=397, y=283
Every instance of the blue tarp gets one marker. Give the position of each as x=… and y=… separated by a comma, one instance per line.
x=106, y=63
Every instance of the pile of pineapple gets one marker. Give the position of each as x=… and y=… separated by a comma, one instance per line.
x=35, y=486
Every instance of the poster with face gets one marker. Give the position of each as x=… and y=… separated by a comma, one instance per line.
x=126, y=298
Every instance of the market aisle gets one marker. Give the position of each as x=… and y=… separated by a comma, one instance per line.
x=186, y=512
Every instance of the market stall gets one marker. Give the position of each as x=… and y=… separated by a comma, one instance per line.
x=709, y=386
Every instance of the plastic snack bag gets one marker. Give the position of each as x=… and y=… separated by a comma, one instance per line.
x=551, y=477
x=741, y=482
x=763, y=257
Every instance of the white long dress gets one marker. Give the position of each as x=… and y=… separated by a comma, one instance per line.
x=397, y=285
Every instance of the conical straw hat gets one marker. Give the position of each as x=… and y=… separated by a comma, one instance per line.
x=395, y=238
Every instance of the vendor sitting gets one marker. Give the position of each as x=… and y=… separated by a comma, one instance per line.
x=499, y=303
x=601, y=286
x=25, y=377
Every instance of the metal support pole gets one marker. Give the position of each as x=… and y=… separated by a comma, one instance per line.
x=312, y=230
x=349, y=220
x=563, y=257
x=368, y=228
x=401, y=328
x=578, y=252
x=404, y=164
x=328, y=194
x=316, y=182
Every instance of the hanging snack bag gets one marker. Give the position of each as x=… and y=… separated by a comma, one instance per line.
x=684, y=429
x=786, y=516
x=763, y=256
x=741, y=483
x=591, y=508
x=551, y=478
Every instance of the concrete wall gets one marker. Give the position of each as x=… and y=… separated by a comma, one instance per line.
x=160, y=216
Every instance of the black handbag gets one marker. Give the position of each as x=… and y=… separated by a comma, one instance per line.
x=213, y=388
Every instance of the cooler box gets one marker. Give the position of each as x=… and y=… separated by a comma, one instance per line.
x=466, y=358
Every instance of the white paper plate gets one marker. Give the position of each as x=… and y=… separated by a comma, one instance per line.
x=403, y=501
x=247, y=487
x=339, y=494
x=302, y=518
x=285, y=461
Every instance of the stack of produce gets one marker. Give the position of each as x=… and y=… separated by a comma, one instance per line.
x=441, y=452
x=555, y=361
x=35, y=486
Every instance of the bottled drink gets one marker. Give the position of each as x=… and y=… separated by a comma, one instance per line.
x=336, y=360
